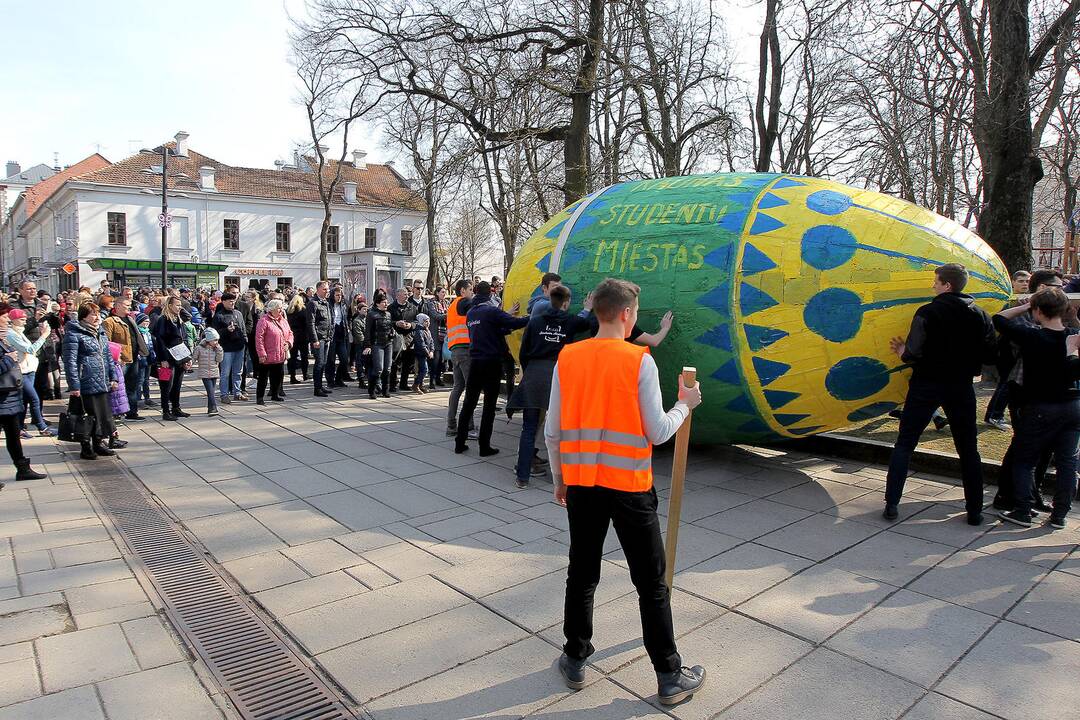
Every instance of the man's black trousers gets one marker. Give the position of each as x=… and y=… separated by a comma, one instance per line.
x=484, y=376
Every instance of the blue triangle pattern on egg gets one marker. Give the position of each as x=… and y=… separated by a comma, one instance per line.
x=728, y=372
x=764, y=223
x=771, y=201
x=544, y=263
x=805, y=430
x=752, y=300
x=779, y=398
x=758, y=337
x=786, y=419
x=742, y=404
x=787, y=183
x=721, y=257
x=717, y=337
x=718, y=299
x=556, y=229
x=769, y=370
x=755, y=261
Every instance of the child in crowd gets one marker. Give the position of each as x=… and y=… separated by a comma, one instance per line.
x=118, y=399
x=142, y=321
x=207, y=357
x=191, y=338
x=424, y=348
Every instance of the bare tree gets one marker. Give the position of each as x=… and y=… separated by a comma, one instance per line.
x=466, y=240
x=770, y=82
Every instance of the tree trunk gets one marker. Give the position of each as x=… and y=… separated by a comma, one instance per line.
x=576, y=142
x=433, y=270
x=324, y=271
x=769, y=68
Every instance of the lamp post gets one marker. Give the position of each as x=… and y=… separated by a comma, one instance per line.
x=163, y=219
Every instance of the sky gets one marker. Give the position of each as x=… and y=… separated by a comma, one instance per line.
x=114, y=76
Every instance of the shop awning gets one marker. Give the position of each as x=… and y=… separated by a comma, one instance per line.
x=152, y=265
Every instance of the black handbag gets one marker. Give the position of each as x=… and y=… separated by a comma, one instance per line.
x=76, y=427
x=13, y=378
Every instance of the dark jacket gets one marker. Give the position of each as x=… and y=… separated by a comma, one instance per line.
x=231, y=340
x=11, y=401
x=298, y=323
x=317, y=315
x=87, y=364
x=548, y=332
x=167, y=334
x=404, y=312
x=950, y=340
x=423, y=343
x=247, y=310
x=357, y=328
x=379, y=328
x=488, y=328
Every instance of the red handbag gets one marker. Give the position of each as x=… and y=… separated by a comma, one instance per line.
x=164, y=373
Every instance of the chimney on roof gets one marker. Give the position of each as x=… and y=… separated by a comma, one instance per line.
x=358, y=160
x=181, y=143
x=350, y=192
x=206, y=178
x=279, y=164
x=13, y=168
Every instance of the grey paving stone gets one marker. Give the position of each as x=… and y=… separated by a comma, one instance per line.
x=817, y=602
x=363, y=540
x=81, y=703
x=305, y=481
x=397, y=466
x=1052, y=606
x=264, y=460
x=355, y=510
x=462, y=550
x=825, y=686
x=497, y=512
x=753, y=519
x=297, y=522
x=68, y=577
x=740, y=573
x=868, y=509
x=978, y=581
x=29, y=602
x=263, y=571
x=602, y=700
x=939, y=707
x=249, y=492
x=378, y=665
x=66, y=659
x=18, y=508
x=516, y=680
x=103, y=596
x=8, y=575
x=351, y=473
x=20, y=528
x=738, y=654
x=84, y=553
x=1017, y=672
x=218, y=467
x=913, y=636
x=891, y=558
x=617, y=627
x=151, y=642
x=338, y=623
x=763, y=481
x=512, y=567
x=34, y=623
x=538, y=603
x=177, y=695
x=460, y=526
x=63, y=510
x=1036, y=545
x=372, y=576
x=817, y=537
x=311, y=453
x=940, y=523
x=407, y=498
x=440, y=456
x=309, y=593
x=495, y=540
x=166, y=475
x=525, y=530
x=20, y=681
x=322, y=556
x=405, y=561
x=16, y=651
x=52, y=493
x=113, y=615
x=233, y=535
x=818, y=495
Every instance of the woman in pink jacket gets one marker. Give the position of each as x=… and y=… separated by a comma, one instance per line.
x=273, y=339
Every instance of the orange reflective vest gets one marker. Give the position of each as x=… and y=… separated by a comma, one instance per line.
x=457, y=333
x=602, y=440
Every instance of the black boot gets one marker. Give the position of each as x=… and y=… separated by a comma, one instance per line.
x=25, y=472
x=385, y=384
x=178, y=413
x=293, y=380
x=88, y=452
x=101, y=448
x=674, y=687
x=371, y=389
x=115, y=443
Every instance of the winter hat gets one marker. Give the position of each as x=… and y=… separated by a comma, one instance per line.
x=17, y=314
x=114, y=350
x=422, y=319
x=140, y=317
x=211, y=335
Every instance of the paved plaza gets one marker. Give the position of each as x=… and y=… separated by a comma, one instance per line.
x=425, y=585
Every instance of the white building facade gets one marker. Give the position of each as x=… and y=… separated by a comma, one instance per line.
x=243, y=226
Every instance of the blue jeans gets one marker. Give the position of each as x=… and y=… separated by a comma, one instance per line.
x=131, y=386
x=142, y=384
x=530, y=421
x=318, y=357
x=995, y=409
x=421, y=368
x=31, y=400
x=211, y=393
x=232, y=364
x=1042, y=427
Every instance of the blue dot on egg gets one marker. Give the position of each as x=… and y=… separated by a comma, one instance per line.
x=827, y=246
x=835, y=314
x=828, y=202
x=855, y=378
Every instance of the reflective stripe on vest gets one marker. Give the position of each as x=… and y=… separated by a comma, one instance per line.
x=456, y=331
x=602, y=441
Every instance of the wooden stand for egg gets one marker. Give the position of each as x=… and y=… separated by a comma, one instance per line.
x=678, y=474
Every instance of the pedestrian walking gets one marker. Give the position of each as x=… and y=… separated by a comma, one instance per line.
x=604, y=415
x=949, y=341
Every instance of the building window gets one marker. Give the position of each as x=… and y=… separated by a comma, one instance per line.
x=233, y=280
x=117, y=228
x=284, y=282
x=333, y=238
x=369, y=237
x=1046, y=238
x=232, y=234
x=406, y=242
x=283, y=237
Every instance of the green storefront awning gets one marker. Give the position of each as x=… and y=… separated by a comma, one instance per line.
x=152, y=265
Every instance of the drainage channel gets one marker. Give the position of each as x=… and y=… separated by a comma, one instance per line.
x=262, y=676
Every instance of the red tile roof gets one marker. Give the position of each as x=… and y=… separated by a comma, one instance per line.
x=377, y=185
x=37, y=194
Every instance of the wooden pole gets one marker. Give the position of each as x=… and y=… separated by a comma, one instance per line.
x=678, y=473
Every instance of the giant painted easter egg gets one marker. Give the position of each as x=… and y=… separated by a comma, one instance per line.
x=785, y=289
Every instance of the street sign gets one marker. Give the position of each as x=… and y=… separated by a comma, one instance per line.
x=164, y=220
x=69, y=268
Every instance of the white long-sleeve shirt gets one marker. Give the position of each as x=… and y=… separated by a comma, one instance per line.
x=658, y=425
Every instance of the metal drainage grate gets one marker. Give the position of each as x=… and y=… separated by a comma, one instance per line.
x=261, y=675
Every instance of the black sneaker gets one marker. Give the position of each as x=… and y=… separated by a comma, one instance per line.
x=134, y=417
x=1041, y=505
x=451, y=431
x=1014, y=517
x=1057, y=522
x=940, y=422
x=522, y=483
x=674, y=687
x=1000, y=504
x=890, y=512
x=573, y=671
x=975, y=518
